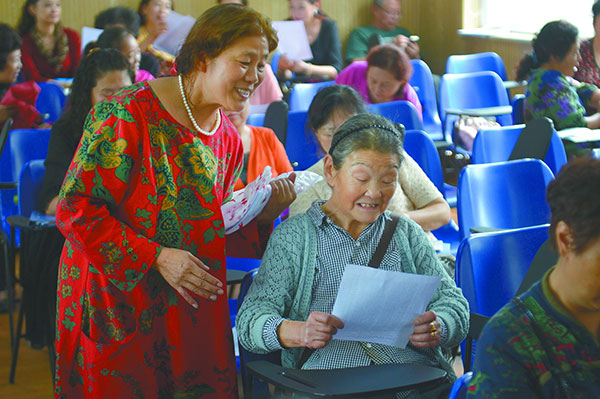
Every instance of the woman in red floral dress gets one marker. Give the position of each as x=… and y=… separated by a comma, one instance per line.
x=141, y=310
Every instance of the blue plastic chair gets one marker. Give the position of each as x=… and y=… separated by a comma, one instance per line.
x=301, y=147
x=30, y=184
x=490, y=267
x=459, y=388
x=302, y=94
x=596, y=153
x=258, y=389
x=518, y=115
x=496, y=145
x=503, y=195
x=487, y=61
x=471, y=90
x=422, y=149
x=422, y=82
x=50, y=101
x=22, y=145
x=398, y=112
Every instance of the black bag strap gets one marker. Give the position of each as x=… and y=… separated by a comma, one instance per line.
x=384, y=241
x=554, y=366
x=375, y=262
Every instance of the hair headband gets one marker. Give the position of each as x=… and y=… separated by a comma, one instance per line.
x=337, y=138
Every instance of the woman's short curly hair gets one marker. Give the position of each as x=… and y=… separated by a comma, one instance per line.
x=574, y=198
x=217, y=29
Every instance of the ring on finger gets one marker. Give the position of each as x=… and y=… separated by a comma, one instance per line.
x=432, y=327
x=433, y=333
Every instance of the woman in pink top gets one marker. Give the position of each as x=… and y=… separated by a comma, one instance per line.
x=383, y=77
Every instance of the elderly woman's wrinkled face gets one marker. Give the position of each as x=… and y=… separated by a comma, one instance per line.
x=362, y=187
x=382, y=85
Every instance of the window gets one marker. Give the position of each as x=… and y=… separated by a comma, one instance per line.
x=529, y=16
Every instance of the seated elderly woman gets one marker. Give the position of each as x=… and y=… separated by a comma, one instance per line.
x=290, y=302
x=551, y=90
x=545, y=345
x=383, y=77
x=416, y=196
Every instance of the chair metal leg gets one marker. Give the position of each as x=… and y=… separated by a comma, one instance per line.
x=9, y=290
x=15, y=350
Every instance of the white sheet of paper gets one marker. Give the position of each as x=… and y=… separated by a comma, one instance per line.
x=89, y=35
x=580, y=134
x=179, y=27
x=293, y=41
x=380, y=305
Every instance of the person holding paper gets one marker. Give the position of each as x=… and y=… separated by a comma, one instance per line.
x=141, y=306
x=415, y=196
x=324, y=40
x=261, y=148
x=545, y=343
x=153, y=16
x=551, y=90
x=290, y=302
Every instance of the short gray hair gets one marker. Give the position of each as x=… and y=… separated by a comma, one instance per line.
x=366, y=132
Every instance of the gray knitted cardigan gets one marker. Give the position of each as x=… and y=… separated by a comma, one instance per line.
x=283, y=285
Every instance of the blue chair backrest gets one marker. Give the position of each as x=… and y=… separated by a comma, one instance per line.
x=422, y=82
x=503, y=195
x=398, y=112
x=256, y=120
x=30, y=184
x=471, y=90
x=490, y=267
x=518, y=115
x=496, y=145
x=301, y=146
x=422, y=149
x=459, y=388
x=302, y=94
x=488, y=61
x=22, y=145
x=260, y=389
x=51, y=100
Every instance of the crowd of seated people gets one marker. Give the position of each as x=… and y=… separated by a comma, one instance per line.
x=193, y=148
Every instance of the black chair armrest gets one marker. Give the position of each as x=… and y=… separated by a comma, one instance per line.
x=349, y=382
x=8, y=185
x=484, y=229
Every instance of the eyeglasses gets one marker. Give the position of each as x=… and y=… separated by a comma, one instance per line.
x=391, y=13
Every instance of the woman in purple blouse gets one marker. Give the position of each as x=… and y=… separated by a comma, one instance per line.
x=383, y=77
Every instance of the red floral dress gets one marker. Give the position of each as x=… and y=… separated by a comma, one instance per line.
x=140, y=181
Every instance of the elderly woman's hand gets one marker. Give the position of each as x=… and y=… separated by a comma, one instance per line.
x=282, y=195
x=426, y=333
x=184, y=272
x=319, y=329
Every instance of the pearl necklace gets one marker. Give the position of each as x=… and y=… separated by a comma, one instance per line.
x=191, y=116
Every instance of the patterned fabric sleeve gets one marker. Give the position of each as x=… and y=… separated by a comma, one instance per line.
x=96, y=183
x=499, y=371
